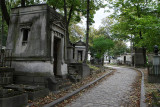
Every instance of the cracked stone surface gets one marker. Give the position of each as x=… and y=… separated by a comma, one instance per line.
x=112, y=92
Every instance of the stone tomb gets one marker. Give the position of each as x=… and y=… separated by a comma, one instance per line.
x=154, y=70
x=79, y=51
x=77, y=69
x=139, y=60
x=6, y=76
x=36, y=36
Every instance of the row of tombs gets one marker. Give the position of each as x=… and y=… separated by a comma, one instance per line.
x=39, y=53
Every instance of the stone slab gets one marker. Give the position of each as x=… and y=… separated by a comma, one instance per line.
x=15, y=101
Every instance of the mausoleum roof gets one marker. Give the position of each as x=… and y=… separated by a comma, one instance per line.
x=80, y=43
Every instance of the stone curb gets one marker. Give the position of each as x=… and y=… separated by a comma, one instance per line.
x=52, y=104
x=142, y=99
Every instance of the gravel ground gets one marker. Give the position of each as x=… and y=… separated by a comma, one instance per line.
x=115, y=91
x=54, y=96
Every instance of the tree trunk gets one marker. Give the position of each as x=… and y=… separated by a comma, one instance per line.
x=23, y=3
x=66, y=26
x=140, y=34
x=144, y=56
x=87, y=33
x=66, y=40
x=4, y=11
x=2, y=30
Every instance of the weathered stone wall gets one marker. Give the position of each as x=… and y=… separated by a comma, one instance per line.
x=33, y=66
x=35, y=78
x=35, y=19
x=128, y=60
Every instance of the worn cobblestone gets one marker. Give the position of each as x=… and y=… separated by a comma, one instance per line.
x=112, y=92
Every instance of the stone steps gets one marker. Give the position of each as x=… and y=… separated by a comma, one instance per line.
x=57, y=84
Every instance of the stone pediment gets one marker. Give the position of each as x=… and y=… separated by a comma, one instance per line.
x=56, y=19
x=80, y=43
x=59, y=24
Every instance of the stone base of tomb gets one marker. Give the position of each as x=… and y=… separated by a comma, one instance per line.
x=34, y=92
x=78, y=71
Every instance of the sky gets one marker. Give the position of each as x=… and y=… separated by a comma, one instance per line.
x=100, y=14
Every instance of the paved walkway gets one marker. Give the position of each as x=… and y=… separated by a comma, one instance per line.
x=112, y=92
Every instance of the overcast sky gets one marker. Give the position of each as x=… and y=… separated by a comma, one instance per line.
x=100, y=14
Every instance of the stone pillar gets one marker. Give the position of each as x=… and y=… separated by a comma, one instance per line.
x=156, y=65
x=138, y=57
x=156, y=60
x=70, y=54
x=154, y=70
x=52, y=47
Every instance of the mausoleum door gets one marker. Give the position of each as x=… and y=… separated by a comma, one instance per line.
x=79, y=56
x=57, y=55
x=124, y=59
x=133, y=60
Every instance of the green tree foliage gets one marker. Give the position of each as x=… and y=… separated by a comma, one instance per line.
x=101, y=45
x=137, y=20
x=9, y=4
x=118, y=49
x=92, y=35
x=76, y=33
x=74, y=9
x=105, y=27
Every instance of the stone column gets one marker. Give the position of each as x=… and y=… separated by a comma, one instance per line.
x=154, y=70
x=138, y=57
x=70, y=53
x=52, y=46
x=63, y=46
x=156, y=65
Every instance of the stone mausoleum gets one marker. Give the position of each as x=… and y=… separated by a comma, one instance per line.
x=79, y=51
x=37, y=38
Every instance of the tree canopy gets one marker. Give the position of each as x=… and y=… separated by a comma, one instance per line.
x=101, y=45
x=138, y=21
x=119, y=49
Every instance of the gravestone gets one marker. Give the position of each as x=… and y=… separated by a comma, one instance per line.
x=154, y=69
x=36, y=36
x=139, y=60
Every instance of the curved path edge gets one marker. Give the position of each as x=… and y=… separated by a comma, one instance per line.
x=142, y=99
x=52, y=104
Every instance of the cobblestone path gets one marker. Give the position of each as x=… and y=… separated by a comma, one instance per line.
x=112, y=92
